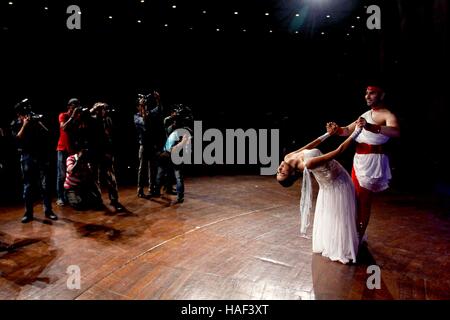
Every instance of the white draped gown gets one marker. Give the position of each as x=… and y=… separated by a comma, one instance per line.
x=334, y=228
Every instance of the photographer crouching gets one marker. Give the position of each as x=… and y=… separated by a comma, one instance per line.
x=32, y=142
x=82, y=191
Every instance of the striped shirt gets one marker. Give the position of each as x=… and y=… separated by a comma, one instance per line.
x=72, y=178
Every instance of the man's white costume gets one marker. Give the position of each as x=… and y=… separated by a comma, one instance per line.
x=370, y=164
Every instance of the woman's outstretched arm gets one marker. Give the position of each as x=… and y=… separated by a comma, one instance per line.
x=316, y=142
x=317, y=161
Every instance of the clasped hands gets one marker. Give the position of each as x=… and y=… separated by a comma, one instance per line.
x=333, y=128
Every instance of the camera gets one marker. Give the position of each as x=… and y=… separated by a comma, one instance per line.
x=182, y=115
x=149, y=100
x=182, y=111
x=24, y=108
x=102, y=109
x=109, y=110
x=144, y=96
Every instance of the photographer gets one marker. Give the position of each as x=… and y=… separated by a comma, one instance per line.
x=169, y=122
x=64, y=148
x=174, y=143
x=82, y=190
x=32, y=143
x=150, y=137
x=103, y=156
x=179, y=112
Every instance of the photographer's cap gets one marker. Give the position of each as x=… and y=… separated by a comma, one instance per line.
x=73, y=102
x=20, y=107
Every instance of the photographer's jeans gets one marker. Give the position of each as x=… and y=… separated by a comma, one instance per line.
x=147, y=168
x=164, y=173
x=178, y=169
x=34, y=169
x=61, y=174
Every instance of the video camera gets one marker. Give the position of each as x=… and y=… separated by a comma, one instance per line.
x=182, y=115
x=24, y=108
x=182, y=111
x=150, y=100
x=103, y=106
x=144, y=96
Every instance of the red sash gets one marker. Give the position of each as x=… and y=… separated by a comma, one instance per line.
x=364, y=148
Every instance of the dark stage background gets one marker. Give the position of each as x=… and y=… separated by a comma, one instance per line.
x=232, y=78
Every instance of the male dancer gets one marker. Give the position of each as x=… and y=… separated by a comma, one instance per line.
x=371, y=172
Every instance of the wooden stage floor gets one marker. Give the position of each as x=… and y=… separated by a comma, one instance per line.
x=235, y=237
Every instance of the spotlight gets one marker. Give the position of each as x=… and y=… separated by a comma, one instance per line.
x=139, y=21
x=297, y=15
x=328, y=16
x=266, y=13
x=353, y=27
x=236, y=12
x=110, y=17
x=10, y=3
x=322, y=33
x=174, y=6
x=204, y=11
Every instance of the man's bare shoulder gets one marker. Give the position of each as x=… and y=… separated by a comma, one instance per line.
x=385, y=112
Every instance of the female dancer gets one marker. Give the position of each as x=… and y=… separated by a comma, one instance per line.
x=334, y=230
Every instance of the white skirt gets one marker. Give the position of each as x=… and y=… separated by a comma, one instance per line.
x=373, y=171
